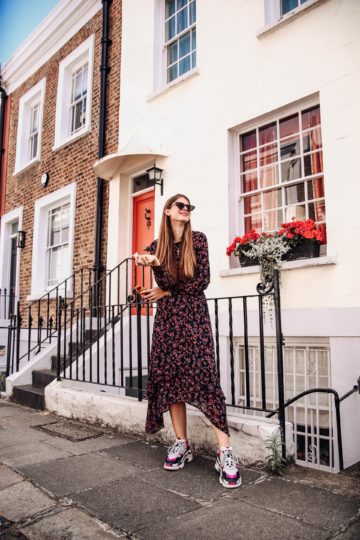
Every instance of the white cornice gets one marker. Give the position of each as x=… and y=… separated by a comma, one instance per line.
x=63, y=22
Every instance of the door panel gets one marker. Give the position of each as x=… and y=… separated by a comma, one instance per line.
x=143, y=235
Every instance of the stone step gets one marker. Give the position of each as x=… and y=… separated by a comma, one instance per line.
x=30, y=396
x=43, y=377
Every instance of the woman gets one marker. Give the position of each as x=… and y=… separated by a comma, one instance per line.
x=182, y=368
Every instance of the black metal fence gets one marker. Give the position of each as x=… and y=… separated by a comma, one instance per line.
x=7, y=303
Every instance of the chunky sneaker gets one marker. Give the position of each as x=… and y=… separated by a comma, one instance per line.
x=178, y=454
x=227, y=465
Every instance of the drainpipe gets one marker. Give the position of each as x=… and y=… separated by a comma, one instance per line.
x=104, y=70
x=2, y=149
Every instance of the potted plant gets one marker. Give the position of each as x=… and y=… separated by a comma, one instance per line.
x=303, y=237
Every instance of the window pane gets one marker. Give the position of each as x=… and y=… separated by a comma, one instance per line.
x=290, y=147
x=193, y=59
x=291, y=170
x=182, y=22
x=310, y=117
x=272, y=220
x=312, y=140
x=317, y=211
x=181, y=3
x=252, y=204
x=288, y=5
x=253, y=222
x=268, y=154
x=77, y=85
x=249, y=161
x=169, y=8
x=249, y=182
x=322, y=227
x=294, y=194
x=313, y=163
x=316, y=188
x=170, y=29
x=85, y=80
x=34, y=146
x=269, y=176
x=248, y=141
x=184, y=45
x=295, y=211
x=267, y=133
x=172, y=73
x=272, y=199
x=184, y=65
x=172, y=53
x=289, y=125
x=193, y=39
x=192, y=12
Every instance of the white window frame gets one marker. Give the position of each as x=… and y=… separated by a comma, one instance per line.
x=42, y=207
x=160, y=49
x=51, y=247
x=273, y=17
x=35, y=96
x=83, y=54
x=237, y=220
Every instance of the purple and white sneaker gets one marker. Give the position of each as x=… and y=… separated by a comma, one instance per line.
x=178, y=454
x=227, y=465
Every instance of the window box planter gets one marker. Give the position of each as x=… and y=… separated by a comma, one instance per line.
x=246, y=261
x=303, y=250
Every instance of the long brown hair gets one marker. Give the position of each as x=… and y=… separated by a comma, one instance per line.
x=165, y=251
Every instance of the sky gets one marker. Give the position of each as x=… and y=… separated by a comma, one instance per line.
x=18, y=18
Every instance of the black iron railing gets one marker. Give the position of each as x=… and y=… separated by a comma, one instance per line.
x=7, y=303
x=35, y=324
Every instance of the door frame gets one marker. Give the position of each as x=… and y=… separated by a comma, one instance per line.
x=6, y=221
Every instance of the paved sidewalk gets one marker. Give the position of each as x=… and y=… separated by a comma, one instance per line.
x=95, y=484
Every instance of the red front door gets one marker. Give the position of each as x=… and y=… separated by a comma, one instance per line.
x=143, y=234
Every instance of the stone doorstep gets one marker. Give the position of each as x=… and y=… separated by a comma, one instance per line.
x=248, y=434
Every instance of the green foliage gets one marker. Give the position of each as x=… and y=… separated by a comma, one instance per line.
x=2, y=381
x=275, y=461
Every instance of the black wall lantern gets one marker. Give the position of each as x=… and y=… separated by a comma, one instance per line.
x=21, y=239
x=155, y=177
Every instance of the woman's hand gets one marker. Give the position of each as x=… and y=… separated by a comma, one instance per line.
x=153, y=295
x=145, y=260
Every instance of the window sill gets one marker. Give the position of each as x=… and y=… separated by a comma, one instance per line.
x=52, y=296
x=189, y=75
x=69, y=140
x=288, y=17
x=290, y=265
x=24, y=168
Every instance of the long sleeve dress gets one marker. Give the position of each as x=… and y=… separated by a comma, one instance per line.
x=182, y=366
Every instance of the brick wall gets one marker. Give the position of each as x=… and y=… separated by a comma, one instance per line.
x=73, y=162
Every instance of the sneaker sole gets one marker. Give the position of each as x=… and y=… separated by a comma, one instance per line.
x=187, y=459
x=222, y=481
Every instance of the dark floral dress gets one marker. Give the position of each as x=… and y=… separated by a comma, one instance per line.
x=182, y=368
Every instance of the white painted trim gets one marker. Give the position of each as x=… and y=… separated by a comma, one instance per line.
x=83, y=53
x=34, y=95
x=274, y=20
x=290, y=265
x=60, y=25
x=40, y=231
x=6, y=220
x=188, y=75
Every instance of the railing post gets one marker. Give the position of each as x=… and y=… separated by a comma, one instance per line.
x=9, y=341
x=338, y=431
x=59, y=339
x=18, y=334
x=280, y=360
x=139, y=351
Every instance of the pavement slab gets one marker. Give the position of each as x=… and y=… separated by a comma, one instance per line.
x=302, y=501
x=352, y=532
x=23, y=500
x=12, y=409
x=25, y=453
x=198, y=480
x=229, y=519
x=69, y=524
x=88, y=446
x=140, y=454
x=131, y=504
x=8, y=477
x=77, y=473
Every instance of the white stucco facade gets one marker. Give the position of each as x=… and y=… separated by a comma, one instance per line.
x=248, y=72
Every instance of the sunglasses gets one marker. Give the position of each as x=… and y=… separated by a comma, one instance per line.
x=181, y=206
